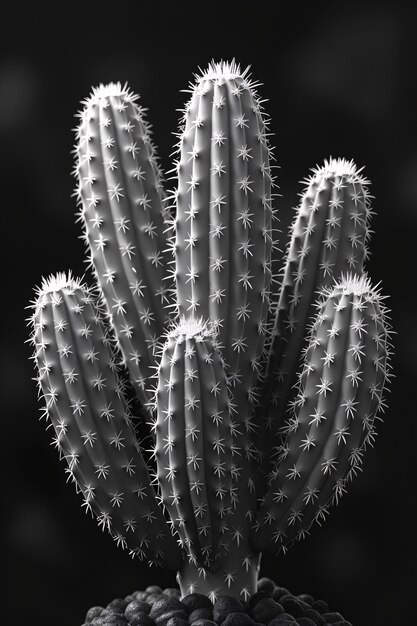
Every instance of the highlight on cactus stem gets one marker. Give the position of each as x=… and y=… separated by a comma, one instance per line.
x=260, y=389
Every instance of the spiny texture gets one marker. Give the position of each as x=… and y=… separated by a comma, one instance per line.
x=328, y=238
x=223, y=225
x=92, y=421
x=340, y=393
x=194, y=441
x=121, y=195
x=235, y=355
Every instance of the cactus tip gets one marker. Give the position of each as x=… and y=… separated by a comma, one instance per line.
x=192, y=327
x=337, y=167
x=59, y=281
x=355, y=284
x=102, y=92
x=222, y=70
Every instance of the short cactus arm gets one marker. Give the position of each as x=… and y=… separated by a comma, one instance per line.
x=78, y=378
x=120, y=190
x=328, y=239
x=194, y=441
x=341, y=387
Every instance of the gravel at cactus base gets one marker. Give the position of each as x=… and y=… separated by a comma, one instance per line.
x=271, y=605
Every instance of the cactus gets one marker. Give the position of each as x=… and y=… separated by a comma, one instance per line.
x=218, y=349
x=121, y=206
x=194, y=440
x=328, y=239
x=78, y=377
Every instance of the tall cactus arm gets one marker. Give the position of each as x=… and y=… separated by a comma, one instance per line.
x=120, y=190
x=329, y=238
x=223, y=226
x=341, y=387
x=194, y=441
x=77, y=376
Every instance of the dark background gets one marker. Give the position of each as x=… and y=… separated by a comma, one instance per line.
x=340, y=79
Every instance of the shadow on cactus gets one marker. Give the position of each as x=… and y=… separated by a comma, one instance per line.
x=259, y=385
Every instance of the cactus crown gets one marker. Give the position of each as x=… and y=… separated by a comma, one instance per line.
x=189, y=295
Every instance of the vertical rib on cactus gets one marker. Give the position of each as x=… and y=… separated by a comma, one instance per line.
x=194, y=441
x=92, y=422
x=328, y=239
x=340, y=393
x=223, y=225
x=120, y=189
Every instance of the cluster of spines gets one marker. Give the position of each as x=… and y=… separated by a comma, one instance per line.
x=223, y=231
x=222, y=242
x=94, y=431
x=340, y=394
x=194, y=443
x=121, y=206
x=328, y=238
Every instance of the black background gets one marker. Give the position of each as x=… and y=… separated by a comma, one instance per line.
x=340, y=80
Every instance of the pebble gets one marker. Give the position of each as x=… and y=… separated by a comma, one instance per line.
x=293, y=606
x=177, y=621
x=118, y=604
x=321, y=606
x=201, y=613
x=238, y=619
x=135, y=606
x=154, y=589
x=225, y=605
x=279, y=592
x=196, y=601
x=259, y=595
x=140, y=595
x=305, y=621
x=141, y=619
x=306, y=597
x=266, y=609
x=172, y=592
x=265, y=584
x=283, y=621
x=333, y=617
x=165, y=608
x=315, y=616
x=95, y=611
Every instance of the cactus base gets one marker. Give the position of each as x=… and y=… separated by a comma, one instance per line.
x=232, y=577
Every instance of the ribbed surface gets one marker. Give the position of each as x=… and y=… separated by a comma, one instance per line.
x=340, y=393
x=223, y=228
x=93, y=430
x=121, y=194
x=194, y=442
x=328, y=239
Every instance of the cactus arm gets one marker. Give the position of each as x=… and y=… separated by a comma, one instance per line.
x=120, y=190
x=340, y=394
x=223, y=226
x=92, y=422
x=328, y=239
x=193, y=443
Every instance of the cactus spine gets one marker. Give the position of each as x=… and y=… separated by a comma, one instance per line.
x=340, y=392
x=328, y=239
x=93, y=425
x=224, y=216
x=194, y=441
x=121, y=194
x=232, y=477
